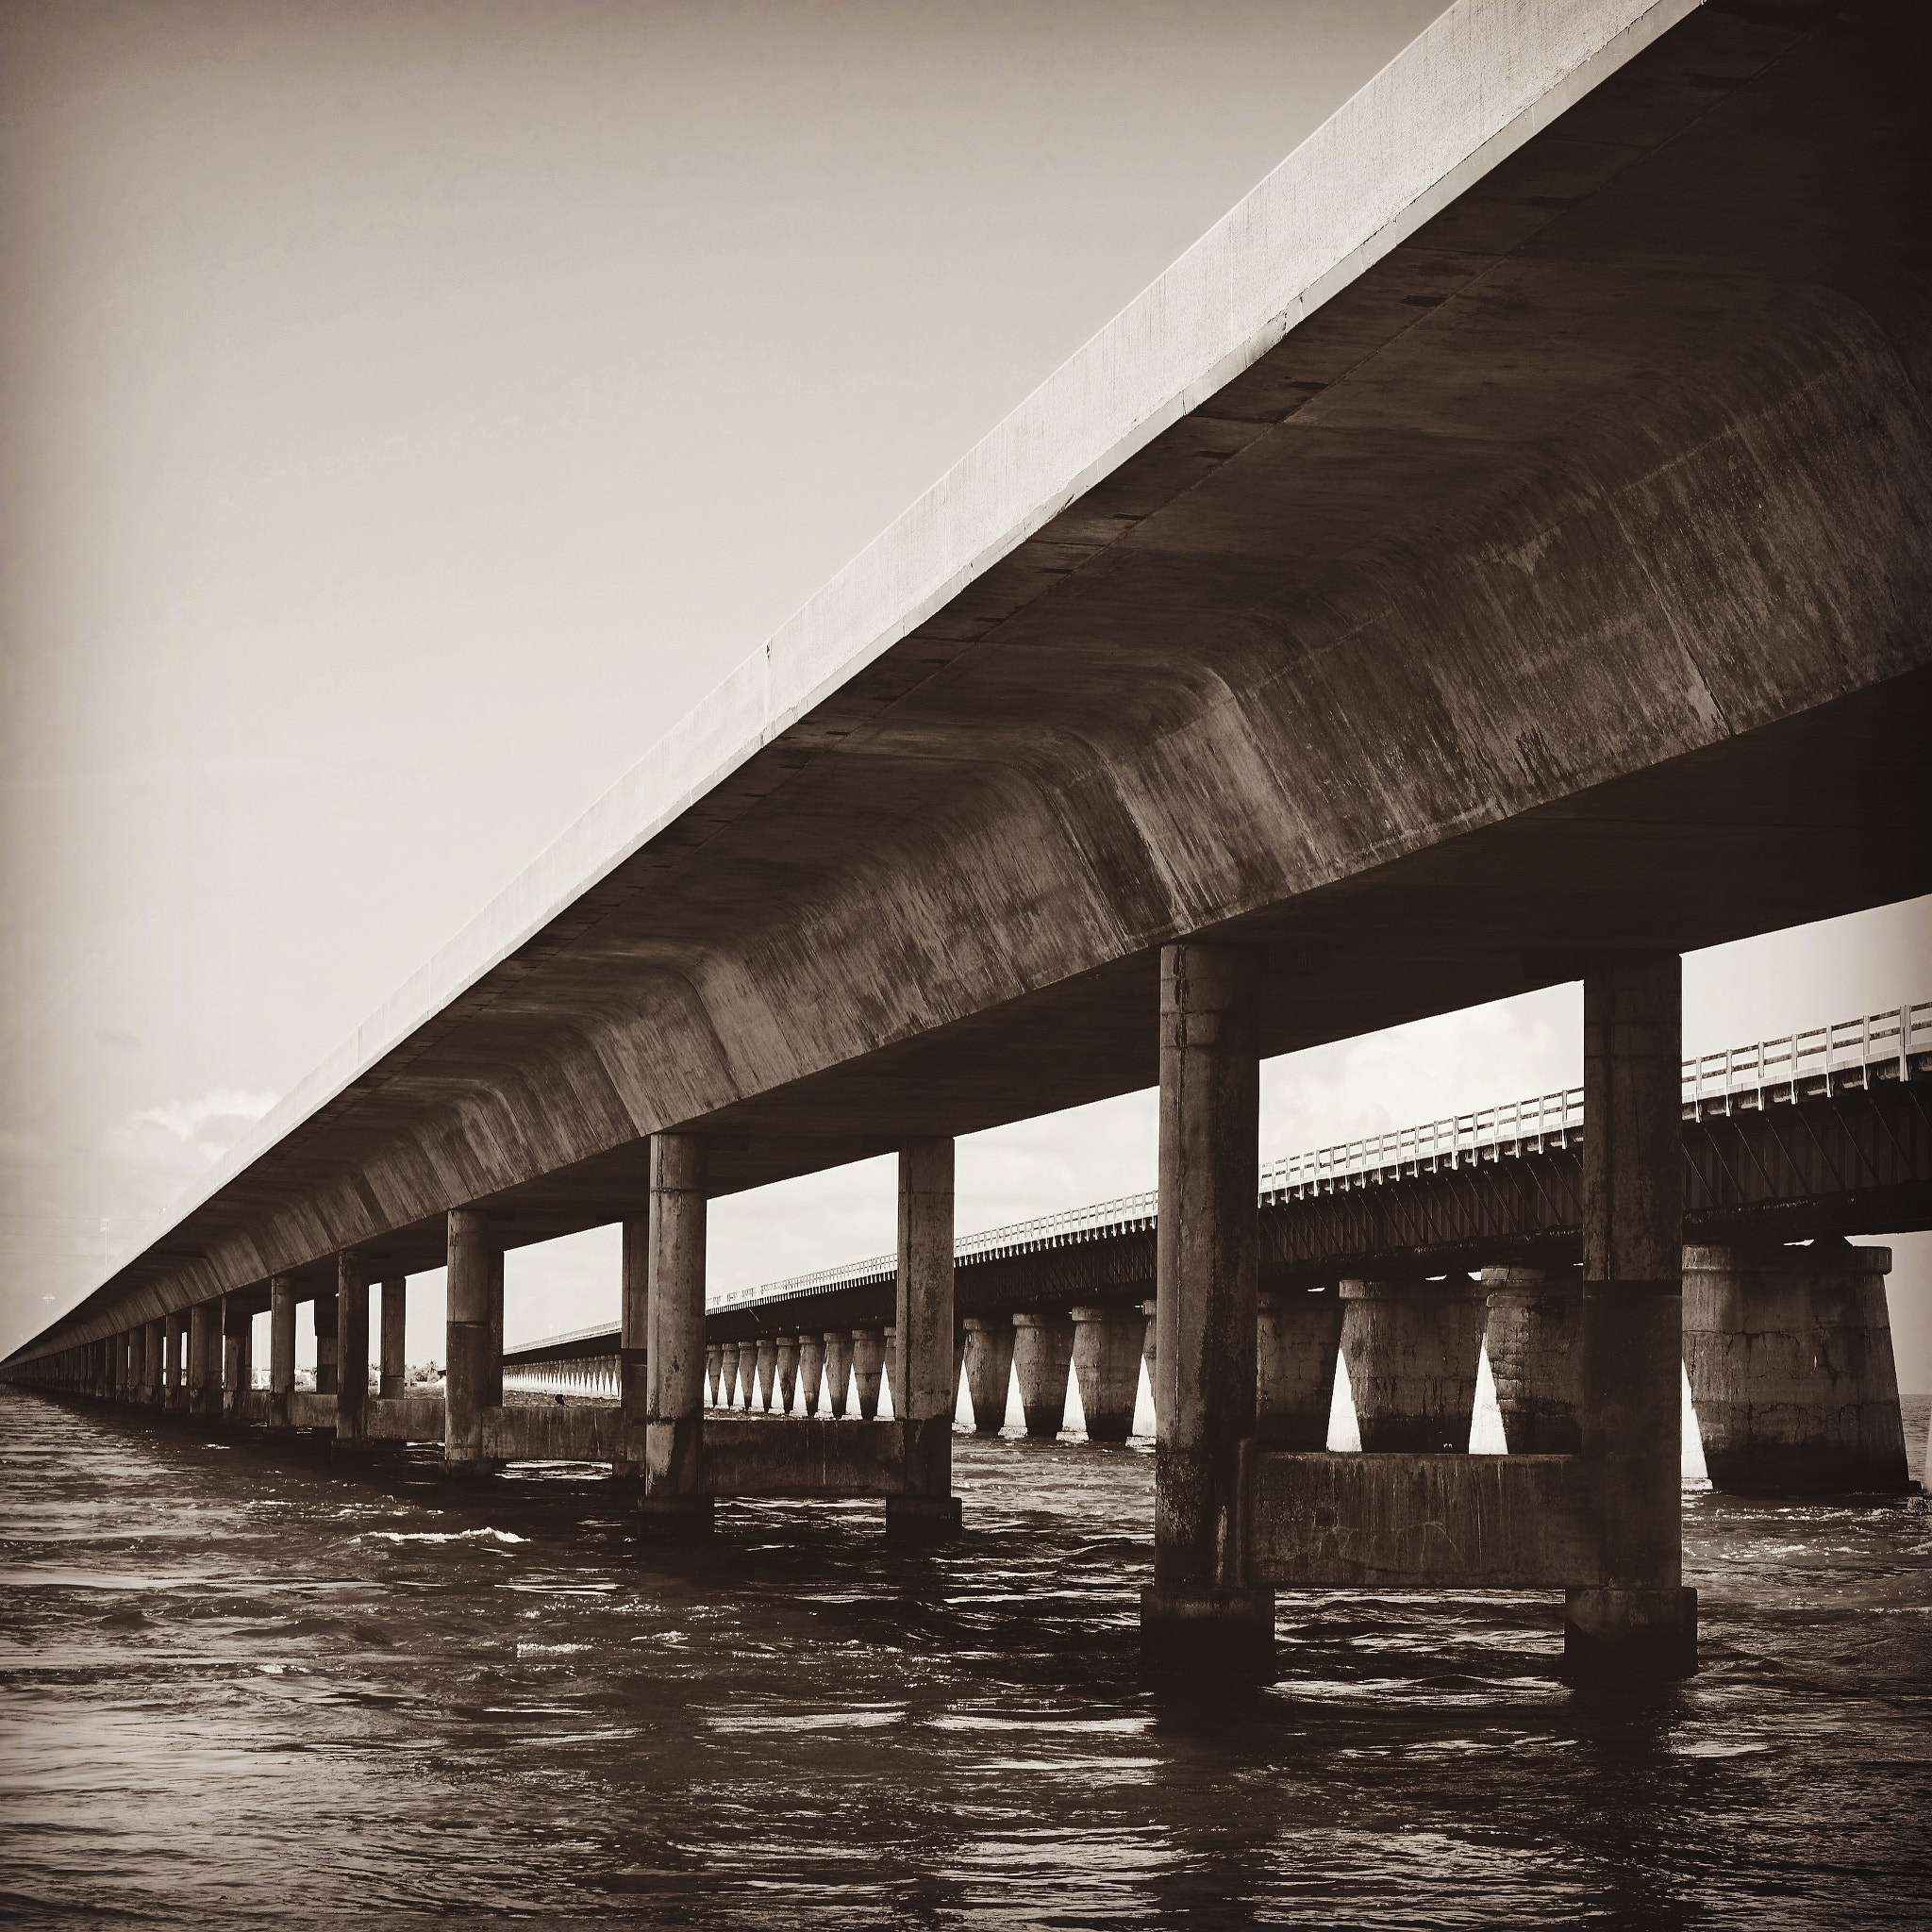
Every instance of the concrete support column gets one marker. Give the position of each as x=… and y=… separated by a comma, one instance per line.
x=137, y=1364
x=203, y=1359
x=352, y=1355
x=633, y=1349
x=989, y=1369
x=767, y=1361
x=924, y=1382
x=675, y=1413
x=1790, y=1355
x=1150, y=1349
x=728, y=1375
x=475, y=1342
x=1200, y=1609
x=1042, y=1356
x=811, y=1368
x=1297, y=1340
x=868, y=1364
x=1638, y=1618
x=238, y=1355
x=393, y=1370
x=786, y=1348
x=324, y=1318
x=1107, y=1359
x=175, y=1389
x=281, y=1349
x=156, y=1348
x=837, y=1369
x=887, y=1385
x=714, y=1364
x=1412, y=1349
x=1534, y=1331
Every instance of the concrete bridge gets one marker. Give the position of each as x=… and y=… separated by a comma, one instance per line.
x=1494, y=554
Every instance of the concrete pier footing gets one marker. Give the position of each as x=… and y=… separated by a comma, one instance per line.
x=767, y=1383
x=989, y=1369
x=784, y=1367
x=1412, y=1349
x=727, y=1375
x=1043, y=1357
x=1789, y=1351
x=1200, y=1613
x=1534, y=1333
x=714, y=1372
x=1298, y=1341
x=1106, y=1364
x=811, y=1368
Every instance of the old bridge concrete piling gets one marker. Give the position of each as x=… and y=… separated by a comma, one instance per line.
x=1493, y=557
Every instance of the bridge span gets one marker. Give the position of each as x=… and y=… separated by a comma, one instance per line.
x=1495, y=554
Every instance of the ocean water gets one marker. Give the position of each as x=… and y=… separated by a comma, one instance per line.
x=243, y=1688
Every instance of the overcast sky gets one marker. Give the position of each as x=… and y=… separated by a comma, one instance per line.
x=407, y=411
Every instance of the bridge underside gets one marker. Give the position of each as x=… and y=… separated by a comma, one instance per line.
x=1562, y=586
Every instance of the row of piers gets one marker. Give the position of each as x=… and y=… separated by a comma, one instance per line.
x=1787, y=1349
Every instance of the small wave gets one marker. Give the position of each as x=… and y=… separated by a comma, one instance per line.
x=438, y=1536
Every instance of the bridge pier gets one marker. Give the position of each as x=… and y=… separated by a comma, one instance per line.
x=727, y=1375
x=633, y=1347
x=811, y=1368
x=1412, y=1349
x=923, y=1388
x=281, y=1351
x=393, y=1371
x=237, y=1352
x=203, y=1359
x=323, y=1315
x=868, y=1365
x=1637, y=1618
x=174, y=1380
x=838, y=1370
x=1200, y=1611
x=1298, y=1341
x=1789, y=1351
x=988, y=1370
x=473, y=1347
x=1107, y=1359
x=785, y=1371
x=714, y=1366
x=352, y=1355
x=1043, y=1357
x=767, y=1382
x=1535, y=1337
x=675, y=1421
x=136, y=1363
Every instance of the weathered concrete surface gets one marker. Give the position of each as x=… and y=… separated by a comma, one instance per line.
x=1788, y=1352
x=1297, y=1343
x=1382, y=1522
x=1534, y=1333
x=1412, y=1350
x=803, y=1456
x=675, y=1367
x=1637, y=1618
x=1200, y=1608
x=1043, y=1357
x=1562, y=582
x=988, y=1370
x=406, y=1419
x=569, y=1432
x=1108, y=1347
x=309, y=1410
